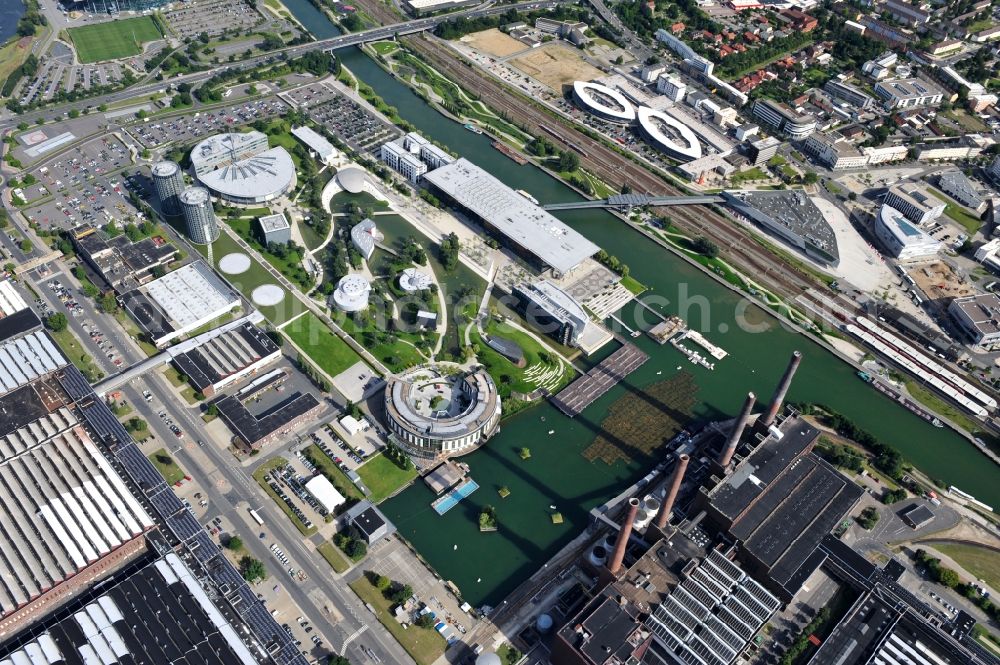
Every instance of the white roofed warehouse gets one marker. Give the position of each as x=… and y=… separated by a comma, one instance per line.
x=529, y=230
x=435, y=412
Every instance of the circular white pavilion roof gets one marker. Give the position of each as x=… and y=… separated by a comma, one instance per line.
x=352, y=293
x=412, y=279
x=603, y=101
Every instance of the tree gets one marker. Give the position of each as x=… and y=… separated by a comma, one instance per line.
x=356, y=549
x=212, y=409
x=424, y=621
x=810, y=178
x=704, y=246
x=948, y=577
x=252, y=569
x=108, y=303
x=568, y=161
x=56, y=322
x=334, y=659
x=382, y=583
x=26, y=246
x=235, y=543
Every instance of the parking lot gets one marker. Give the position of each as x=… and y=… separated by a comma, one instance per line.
x=360, y=129
x=189, y=128
x=347, y=452
x=309, y=95
x=88, y=184
x=57, y=73
x=214, y=17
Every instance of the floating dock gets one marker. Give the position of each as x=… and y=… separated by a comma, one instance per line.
x=715, y=351
x=583, y=392
x=445, y=503
x=667, y=328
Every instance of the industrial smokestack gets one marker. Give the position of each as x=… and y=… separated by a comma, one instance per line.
x=781, y=391
x=737, y=431
x=675, y=484
x=618, y=555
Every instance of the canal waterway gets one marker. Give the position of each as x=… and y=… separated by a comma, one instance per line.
x=557, y=477
x=11, y=12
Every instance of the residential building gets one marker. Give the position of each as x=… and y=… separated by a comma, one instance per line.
x=890, y=34
x=989, y=255
x=964, y=147
x=884, y=155
x=960, y=188
x=900, y=238
x=880, y=67
x=906, y=13
x=650, y=73
x=945, y=47
x=849, y=93
x=979, y=317
x=908, y=93
x=779, y=116
x=915, y=202
x=799, y=21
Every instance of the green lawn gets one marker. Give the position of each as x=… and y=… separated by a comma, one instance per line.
x=258, y=475
x=507, y=376
x=633, y=285
x=384, y=48
x=425, y=645
x=383, y=477
x=982, y=562
x=333, y=557
x=326, y=350
x=332, y=472
x=750, y=174
x=113, y=39
x=256, y=276
x=167, y=467
x=967, y=221
x=74, y=350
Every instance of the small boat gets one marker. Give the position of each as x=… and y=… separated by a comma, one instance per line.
x=455, y=547
x=472, y=128
x=552, y=507
x=527, y=196
x=864, y=376
x=551, y=432
x=678, y=368
x=937, y=422
x=659, y=373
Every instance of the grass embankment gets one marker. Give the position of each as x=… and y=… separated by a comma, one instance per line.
x=982, y=562
x=176, y=380
x=384, y=477
x=167, y=467
x=326, y=350
x=259, y=474
x=113, y=39
x=333, y=557
x=425, y=645
x=958, y=214
x=73, y=349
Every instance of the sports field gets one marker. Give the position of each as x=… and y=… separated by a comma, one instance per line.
x=113, y=39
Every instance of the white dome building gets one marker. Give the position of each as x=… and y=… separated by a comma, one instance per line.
x=351, y=179
x=352, y=293
x=604, y=102
x=411, y=280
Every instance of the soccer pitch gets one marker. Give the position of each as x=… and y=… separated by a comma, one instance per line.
x=113, y=39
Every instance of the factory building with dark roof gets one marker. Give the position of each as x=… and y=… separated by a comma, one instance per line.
x=227, y=358
x=253, y=431
x=778, y=503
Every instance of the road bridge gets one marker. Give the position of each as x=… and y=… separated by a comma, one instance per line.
x=628, y=201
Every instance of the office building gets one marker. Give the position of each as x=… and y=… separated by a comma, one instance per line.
x=671, y=86
x=226, y=358
x=988, y=254
x=553, y=311
x=528, y=229
x=834, y=151
x=122, y=264
x=908, y=93
x=880, y=67
x=435, y=412
x=368, y=522
x=402, y=161
x=781, y=118
x=900, y=238
x=199, y=216
x=168, y=181
x=317, y=145
x=604, y=102
x=275, y=228
x=792, y=217
x=960, y=188
x=979, y=318
x=761, y=150
x=849, y=94
x=667, y=133
x=915, y=202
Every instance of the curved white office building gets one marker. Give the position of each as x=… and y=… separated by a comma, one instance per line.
x=669, y=134
x=253, y=180
x=411, y=280
x=435, y=411
x=351, y=294
x=901, y=238
x=604, y=102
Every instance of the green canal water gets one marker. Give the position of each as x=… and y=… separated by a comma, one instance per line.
x=486, y=566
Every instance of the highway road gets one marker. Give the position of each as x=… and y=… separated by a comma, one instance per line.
x=56, y=112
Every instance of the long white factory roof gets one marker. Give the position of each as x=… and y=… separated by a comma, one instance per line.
x=517, y=218
x=262, y=176
x=10, y=300
x=24, y=359
x=683, y=142
x=592, y=94
x=191, y=295
x=63, y=507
